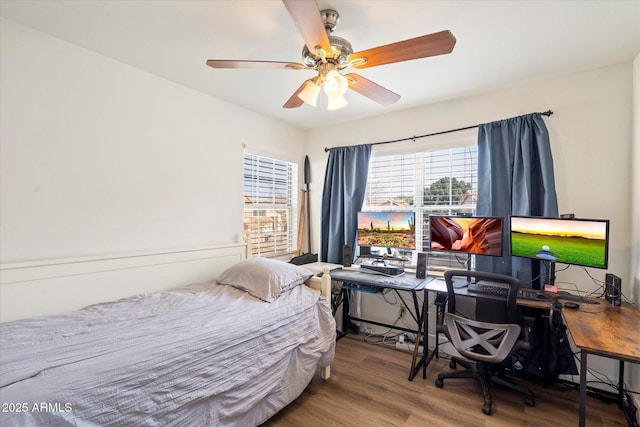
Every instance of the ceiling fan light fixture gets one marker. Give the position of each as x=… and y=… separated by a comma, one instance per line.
x=310, y=93
x=335, y=84
x=335, y=103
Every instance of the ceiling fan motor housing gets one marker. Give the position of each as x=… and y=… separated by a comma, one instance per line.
x=340, y=51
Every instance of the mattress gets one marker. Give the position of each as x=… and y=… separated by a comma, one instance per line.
x=205, y=354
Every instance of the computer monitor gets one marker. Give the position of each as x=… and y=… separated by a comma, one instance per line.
x=470, y=235
x=583, y=242
x=387, y=229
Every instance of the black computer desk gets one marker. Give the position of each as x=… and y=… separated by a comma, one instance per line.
x=353, y=280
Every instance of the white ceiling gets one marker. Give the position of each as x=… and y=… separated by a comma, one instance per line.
x=499, y=44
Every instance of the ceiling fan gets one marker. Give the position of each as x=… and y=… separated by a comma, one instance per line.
x=328, y=55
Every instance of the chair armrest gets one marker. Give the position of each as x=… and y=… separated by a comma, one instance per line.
x=441, y=303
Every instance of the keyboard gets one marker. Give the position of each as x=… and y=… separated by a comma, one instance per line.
x=383, y=270
x=488, y=287
x=501, y=289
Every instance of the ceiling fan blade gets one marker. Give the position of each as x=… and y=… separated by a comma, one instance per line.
x=420, y=47
x=306, y=15
x=371, y=90
x=295, y=101
x=215, y=63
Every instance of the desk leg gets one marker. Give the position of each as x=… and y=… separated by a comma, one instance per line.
x=426, y=357
x=545, y=347
x=414, y=368
x=345, y=312
x=416, y=307
x=621, y=386
x=583, y=387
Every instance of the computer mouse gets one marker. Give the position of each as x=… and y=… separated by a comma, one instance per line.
x=571, y=304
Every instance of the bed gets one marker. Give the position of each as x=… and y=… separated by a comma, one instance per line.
x=229, y=351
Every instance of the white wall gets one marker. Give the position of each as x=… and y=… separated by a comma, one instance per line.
x=98, y=157
x=591, y=139
x=635, y=211
x=635, y=184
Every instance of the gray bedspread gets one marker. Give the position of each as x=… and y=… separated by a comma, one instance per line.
x=206, y=355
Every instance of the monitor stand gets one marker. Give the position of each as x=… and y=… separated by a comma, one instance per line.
x=550, y=286
x=461, y=283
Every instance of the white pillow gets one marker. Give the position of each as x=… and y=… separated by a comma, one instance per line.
x=264, y=278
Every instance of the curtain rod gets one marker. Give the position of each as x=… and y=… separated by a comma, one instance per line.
x=413, y=138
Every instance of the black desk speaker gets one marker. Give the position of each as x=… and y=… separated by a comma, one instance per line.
x=613, y=289
x=421, y=268
x=346, y=256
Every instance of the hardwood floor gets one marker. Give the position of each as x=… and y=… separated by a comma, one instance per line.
x=369, y=387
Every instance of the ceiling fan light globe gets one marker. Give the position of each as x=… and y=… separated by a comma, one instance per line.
x=310, y=93
x=335, y=103
x=335, y=84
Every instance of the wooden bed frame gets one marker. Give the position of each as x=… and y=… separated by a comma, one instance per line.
x=55, y=286
x=323, y=284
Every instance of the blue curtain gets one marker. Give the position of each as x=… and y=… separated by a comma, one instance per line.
x=515, y=177
x=345, y=181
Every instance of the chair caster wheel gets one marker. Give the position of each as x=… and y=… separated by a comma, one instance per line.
x=439, y=383
x=486, y=409
x=529, y=401
x=453, y=364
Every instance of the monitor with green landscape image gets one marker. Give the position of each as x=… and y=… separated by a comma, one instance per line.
x=583, y=242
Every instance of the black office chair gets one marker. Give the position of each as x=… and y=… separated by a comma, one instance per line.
x=486, y=335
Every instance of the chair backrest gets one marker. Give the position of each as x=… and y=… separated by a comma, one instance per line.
x=481, y=341
x=503, y=309
x=484, y=341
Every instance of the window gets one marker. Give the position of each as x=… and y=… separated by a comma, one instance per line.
x=442, y=181
x=270, y=205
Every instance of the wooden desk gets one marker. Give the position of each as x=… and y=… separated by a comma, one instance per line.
x=606, y=331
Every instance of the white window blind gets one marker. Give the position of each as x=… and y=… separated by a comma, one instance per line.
x=440, y=182
x=270, y=204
